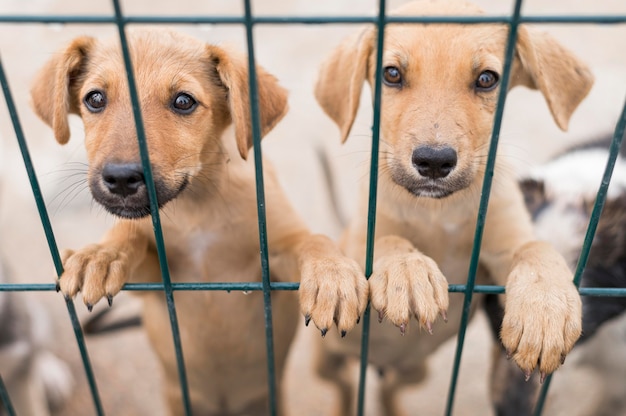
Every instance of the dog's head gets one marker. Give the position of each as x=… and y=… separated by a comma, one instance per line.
x=440, y=91
x=189, y=92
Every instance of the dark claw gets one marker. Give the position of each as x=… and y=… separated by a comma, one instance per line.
x=429, y=328
x=89, y=306
x=444, y=315
x=380, y=316
x=307, y=319
x=543, y=377
x=110, y=300
x=343, y=333
x=402, y=329
x=58, y=286
x=358, y=319
x=324, y=331
x=562, y=359
x=527, y=374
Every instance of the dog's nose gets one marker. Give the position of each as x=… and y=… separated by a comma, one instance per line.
x=433, y=162
x=123, y=178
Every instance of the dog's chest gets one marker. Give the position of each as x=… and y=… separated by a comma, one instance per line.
x=200, y=243
x=212, y=254
x=445, y=239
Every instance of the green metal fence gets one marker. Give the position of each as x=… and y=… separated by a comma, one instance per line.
x=249, y=21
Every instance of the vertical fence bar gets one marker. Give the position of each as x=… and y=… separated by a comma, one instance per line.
x=373, y=192
x=154, y=208
x=5, y=400
x=614, y=150
x=484, y=202
x=54, y=251
x=260, y=195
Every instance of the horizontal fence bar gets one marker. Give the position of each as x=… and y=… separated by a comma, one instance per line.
x=313, y=20
x=258, y=286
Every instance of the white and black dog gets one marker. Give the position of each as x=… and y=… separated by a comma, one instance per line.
x=36, y=379
x=560, y=196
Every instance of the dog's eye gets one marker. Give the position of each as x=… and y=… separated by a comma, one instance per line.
x=184, y=103
x=95, y=101
x=392, y=76
x=487, y=81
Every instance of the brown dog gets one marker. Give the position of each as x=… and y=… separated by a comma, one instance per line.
x=191, y=94
x=439, y=94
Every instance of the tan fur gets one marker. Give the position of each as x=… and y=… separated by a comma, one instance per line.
x=420, y=239
x=210, y=226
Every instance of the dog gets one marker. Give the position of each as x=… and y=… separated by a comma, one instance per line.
x=439, y=95
x=37, y=380
x=195, y=104
x=560, y=196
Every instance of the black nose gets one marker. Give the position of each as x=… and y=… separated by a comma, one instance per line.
x=433, y=162
x=123, y=178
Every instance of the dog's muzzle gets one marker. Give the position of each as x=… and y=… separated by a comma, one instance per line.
x=433, y=174
x=121, y=189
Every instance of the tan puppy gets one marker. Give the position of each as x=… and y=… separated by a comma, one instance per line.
x=439, y=94
x=190, y=95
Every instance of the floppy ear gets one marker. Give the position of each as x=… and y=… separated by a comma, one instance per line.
x=54, y=92
x=233, y=72
x=561, y=77
x=341, y=78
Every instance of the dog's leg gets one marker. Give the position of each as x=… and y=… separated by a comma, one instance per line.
x=100, y=270
x=334, y=368
x=392, y=383
x=333, y=288
x=542, y=318
x=406, y=283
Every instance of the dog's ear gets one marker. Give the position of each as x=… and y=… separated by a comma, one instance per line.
x=54, y=92
x=341, y=78
x=233, y=72
x=546, y=65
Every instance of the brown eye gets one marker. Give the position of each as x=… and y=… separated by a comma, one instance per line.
x=392, y=76
x=487, y=81
x=95, y=101
x=184, y=103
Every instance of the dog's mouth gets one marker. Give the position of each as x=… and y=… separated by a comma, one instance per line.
x=429, y=187
x=122, y=191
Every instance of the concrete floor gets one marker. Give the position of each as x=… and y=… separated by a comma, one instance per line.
x=127, y=375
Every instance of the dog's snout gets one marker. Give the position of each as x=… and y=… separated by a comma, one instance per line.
x=123, y=178
x=433, y=162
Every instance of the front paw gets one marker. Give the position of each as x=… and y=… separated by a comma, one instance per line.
x=542, y=318
x=332, y=289
x=409, y=284
x=96, y=271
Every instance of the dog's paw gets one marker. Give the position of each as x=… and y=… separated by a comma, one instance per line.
x=332, y=289
x=408, y=284
x=96, y=271
x=543, y=314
